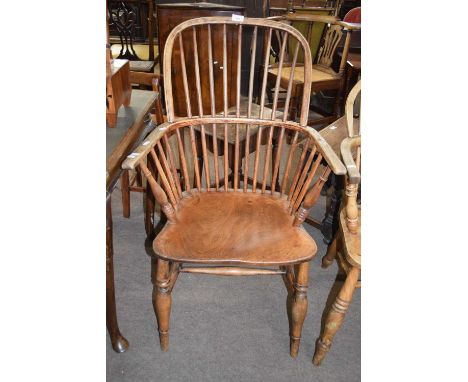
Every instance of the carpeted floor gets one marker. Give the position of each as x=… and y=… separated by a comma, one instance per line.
x=222, y=328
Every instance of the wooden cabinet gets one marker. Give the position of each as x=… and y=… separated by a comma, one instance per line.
x=170, y=15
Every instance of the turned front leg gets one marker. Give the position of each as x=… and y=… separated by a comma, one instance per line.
x=299, y=306
x=336, y=316
x=162, y=301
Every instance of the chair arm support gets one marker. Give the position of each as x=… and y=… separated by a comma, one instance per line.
x=347, y=146
x=311, y=198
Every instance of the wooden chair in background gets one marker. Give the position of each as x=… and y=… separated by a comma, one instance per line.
x=134, y=183
x=353, y=65
x=323, y=75
x=235, y=228
x=346, y=247
x=122, y=17
x=280, y=7
x=118, y=87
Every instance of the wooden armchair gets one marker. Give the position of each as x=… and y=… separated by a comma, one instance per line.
x=346, y=247
x=233, y=227
x=323, y=75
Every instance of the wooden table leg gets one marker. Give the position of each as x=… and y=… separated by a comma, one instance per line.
x=331, y=220
x=119, y=343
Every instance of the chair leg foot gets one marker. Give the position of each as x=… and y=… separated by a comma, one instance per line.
x=164, y=340
x=327, y=260
x=294, y=346
x=119, y=344
x=321, y=349
x=299, y=307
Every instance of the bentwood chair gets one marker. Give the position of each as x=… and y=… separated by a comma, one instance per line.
x=346, y=247
x=324, y=77
x=232, y=227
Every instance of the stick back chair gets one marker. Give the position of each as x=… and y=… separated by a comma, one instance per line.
x=236, y=227
x=346, y=246
x=323, y=75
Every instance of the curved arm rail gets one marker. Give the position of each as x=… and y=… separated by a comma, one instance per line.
x=347, y=147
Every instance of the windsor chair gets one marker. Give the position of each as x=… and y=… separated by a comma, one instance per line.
x=232, y=227
x=324, y=77
x=346, y=246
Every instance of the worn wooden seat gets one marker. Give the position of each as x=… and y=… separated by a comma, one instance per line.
x=237, y=228
x=233, y=201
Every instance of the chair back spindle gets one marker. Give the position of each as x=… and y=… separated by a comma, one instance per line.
x=253, y=149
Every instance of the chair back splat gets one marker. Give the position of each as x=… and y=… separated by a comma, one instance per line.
x=244, y=147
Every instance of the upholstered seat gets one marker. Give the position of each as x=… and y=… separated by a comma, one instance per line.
x=141, y=66
x=235, y=228
x=318, y=74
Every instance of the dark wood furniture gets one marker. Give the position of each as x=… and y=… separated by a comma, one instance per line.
x=118, y=88
x=133, y=124
x=129, y=19
x=323, y=76
x=281, y=7
x=346, y=246
x=171, y=15
x=237, y=227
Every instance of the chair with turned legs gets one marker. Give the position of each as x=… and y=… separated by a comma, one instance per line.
x=346, y=246
x=218, y=224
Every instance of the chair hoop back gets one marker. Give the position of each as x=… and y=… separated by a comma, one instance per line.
x=186, y=38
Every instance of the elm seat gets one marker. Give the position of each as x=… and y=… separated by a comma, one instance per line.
x=238, y=228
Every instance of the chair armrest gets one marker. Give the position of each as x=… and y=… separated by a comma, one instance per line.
x=347, y=147
x=143, y=150
x=328, y=153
